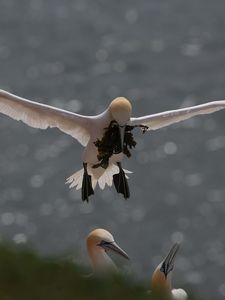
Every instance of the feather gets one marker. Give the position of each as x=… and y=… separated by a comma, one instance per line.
x=42, y=116
x=98, y=175
x=179, y=294
x=166, y=118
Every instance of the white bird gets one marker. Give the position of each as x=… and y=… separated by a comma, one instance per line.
x=161, y=278
x=99, y=242
x=106, y=137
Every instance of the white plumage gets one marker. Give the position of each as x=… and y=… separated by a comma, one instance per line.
x=179, y=294
x=88, y=129
x=166, y=118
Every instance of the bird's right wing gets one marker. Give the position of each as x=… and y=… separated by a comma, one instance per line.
x=42, y=116
x=166, y=118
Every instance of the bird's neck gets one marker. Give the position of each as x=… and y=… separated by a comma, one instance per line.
x=100, y=261
x=160, y=285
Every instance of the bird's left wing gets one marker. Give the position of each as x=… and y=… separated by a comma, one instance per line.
x=42, y=116
x=156, y=121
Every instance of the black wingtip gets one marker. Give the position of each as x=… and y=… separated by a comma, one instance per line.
x=87, y=189
x=121, y=184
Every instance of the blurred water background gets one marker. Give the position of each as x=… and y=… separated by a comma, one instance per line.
x=79, y=55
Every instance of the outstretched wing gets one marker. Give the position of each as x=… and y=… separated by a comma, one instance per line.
x=43, y=116
x=166, y=118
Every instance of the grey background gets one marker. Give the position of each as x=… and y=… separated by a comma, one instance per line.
x=81, y=54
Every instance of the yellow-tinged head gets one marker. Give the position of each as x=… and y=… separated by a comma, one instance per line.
x=121, y=109
x=160, y=285
x=161, y=278
x=100, y=241
x=96, y=236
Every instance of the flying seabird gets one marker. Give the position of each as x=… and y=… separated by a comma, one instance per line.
x=106, y=137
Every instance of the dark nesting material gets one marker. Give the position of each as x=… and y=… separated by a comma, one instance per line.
x=111, y=143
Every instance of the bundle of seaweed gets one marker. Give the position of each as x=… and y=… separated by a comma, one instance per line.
x=111, y=143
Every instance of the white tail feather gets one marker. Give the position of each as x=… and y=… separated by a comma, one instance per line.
x=99, y=175
x=75, y=180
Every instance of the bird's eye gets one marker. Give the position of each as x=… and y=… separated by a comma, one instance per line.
x=104, y=243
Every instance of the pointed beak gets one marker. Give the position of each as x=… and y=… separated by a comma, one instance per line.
x=115, y=248
x=168, y=263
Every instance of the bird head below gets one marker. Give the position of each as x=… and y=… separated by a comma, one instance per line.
x=161, y=279
x=120, y=109
x=101, y=239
